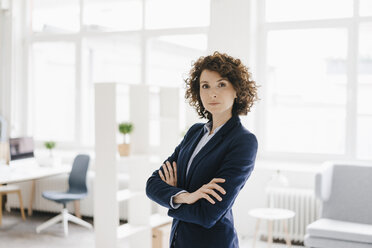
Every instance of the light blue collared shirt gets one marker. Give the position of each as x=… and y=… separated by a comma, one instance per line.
x=203, y=141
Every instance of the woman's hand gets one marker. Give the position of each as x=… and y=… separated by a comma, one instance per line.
x=170, y=172
x=206, y=191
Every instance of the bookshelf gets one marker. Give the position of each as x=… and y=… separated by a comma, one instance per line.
x=107, y=197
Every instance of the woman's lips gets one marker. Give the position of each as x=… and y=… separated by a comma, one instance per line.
x=213, y=103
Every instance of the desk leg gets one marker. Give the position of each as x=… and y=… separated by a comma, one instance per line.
x=32, y=197
x=270, y=233
x=256, y=232
x=1, y=208
x=21, y=204
x=77, y=208
x=288, y=241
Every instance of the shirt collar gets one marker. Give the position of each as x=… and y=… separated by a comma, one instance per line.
x=208, y=127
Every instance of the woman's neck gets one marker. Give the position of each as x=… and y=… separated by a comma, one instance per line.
x=219, y=120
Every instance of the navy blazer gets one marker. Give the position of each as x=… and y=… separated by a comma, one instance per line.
x=229, y=154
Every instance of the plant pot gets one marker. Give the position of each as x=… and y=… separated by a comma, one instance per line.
x=124, y=149
x=49, y=161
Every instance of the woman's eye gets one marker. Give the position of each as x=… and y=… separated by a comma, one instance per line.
x=222, y=84
x=204, y=86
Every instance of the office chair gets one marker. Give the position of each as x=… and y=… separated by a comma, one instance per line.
x=77, y=190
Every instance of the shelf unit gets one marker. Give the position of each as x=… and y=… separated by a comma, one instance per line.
x=107, y=197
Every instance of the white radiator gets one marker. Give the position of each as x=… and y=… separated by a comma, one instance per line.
x=302, y=202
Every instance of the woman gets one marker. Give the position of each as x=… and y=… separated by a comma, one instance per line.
x=202, y=178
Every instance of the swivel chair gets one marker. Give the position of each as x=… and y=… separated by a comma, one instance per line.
x=77, y=190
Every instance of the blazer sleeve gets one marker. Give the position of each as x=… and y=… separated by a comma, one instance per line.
x=158, y=190
x=235, y=169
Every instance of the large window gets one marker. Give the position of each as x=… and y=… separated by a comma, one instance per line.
x=169, y=57
x=110, y=15
x=364, y=95
x=176, y=13
x=53, y=91
x=74, y=43
x=53, y=16
x=316, y=68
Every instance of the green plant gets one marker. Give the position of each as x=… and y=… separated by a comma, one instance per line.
x=50, y=145
x=125, y=128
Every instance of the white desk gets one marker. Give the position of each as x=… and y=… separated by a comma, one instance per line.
x=27, y=172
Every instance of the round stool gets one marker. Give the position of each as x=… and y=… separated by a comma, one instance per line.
x=271, y=214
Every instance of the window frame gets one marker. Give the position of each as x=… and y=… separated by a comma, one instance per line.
x=78, y=39
x=351, y=25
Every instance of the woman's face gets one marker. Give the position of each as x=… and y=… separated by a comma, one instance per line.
x=217, y=93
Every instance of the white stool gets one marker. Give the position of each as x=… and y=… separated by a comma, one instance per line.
x=271, y=214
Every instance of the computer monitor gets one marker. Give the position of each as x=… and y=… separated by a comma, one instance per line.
x=21, y=148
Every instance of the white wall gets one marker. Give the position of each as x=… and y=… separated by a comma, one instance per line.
x=12, y=75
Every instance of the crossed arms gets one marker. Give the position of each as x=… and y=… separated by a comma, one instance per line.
x=210, y=202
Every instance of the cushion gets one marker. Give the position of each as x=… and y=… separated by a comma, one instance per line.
x=317, y=242
x=350, y=194
x=341, y=230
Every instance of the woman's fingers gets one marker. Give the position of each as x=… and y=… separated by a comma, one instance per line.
x=175, y=169
x=212, y=192
x=217, y=180
x=217, y=187
x=208, y=198
x=162, y=176
x=211, y=188
x=169, y=173
x=165, y=172
x=170, y=169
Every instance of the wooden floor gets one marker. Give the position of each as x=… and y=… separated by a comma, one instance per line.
x=15, y=233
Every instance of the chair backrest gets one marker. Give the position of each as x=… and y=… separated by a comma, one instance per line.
x=350, y=193
x=77, y=178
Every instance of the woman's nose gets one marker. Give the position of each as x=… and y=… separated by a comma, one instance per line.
x=213, y=94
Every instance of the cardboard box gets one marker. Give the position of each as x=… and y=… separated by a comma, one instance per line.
x=160, y=236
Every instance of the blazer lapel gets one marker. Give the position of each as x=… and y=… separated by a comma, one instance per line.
x=209, y=146
x=190, y=147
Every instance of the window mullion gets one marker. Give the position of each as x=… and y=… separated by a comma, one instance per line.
x=352, y=85
x=261, y=72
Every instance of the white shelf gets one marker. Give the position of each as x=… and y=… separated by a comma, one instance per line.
x=127, y=230
x=158, y=220
x=126, y=194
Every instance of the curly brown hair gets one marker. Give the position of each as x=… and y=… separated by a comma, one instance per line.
x=230, y=68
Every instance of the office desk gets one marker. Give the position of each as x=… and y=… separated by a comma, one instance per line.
x=27, y=172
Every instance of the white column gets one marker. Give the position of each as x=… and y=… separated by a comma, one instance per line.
x=5, y=61
x=237, y=36
x=12, y=65
x=170, y=133
x=106, y=218
x=230, y=35
x=139, y=207
x=139, y=116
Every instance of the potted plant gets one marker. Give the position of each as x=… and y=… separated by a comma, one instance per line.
x=51, y=160
x=125, y=128
x=50, y=145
